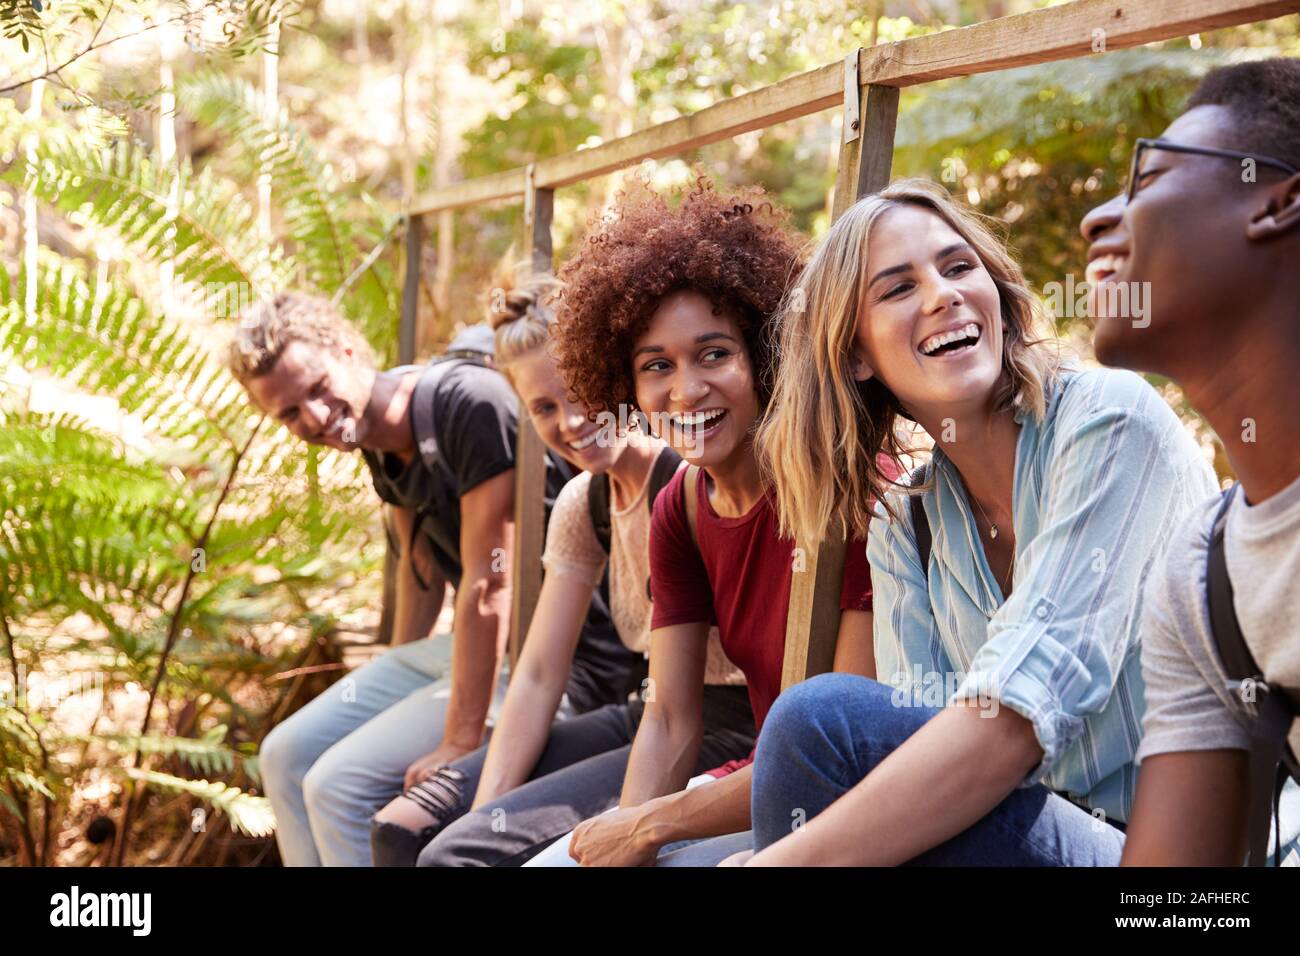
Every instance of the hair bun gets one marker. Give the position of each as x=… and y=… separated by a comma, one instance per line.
x=518, y=293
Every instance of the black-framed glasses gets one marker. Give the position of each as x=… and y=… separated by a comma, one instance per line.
x=1140, y=146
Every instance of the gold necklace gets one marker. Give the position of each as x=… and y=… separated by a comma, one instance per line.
x=993, y=528
x=993, y=533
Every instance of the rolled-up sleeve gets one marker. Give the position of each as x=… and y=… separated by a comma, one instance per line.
x=1058, y=644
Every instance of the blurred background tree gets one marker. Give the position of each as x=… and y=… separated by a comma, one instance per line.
x=162, y=162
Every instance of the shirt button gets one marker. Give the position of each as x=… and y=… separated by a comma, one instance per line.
x=1041, y=611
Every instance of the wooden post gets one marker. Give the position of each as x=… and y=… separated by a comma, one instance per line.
x=405, y=355
x=414, y=247
x=530, y=453
x=866, y=156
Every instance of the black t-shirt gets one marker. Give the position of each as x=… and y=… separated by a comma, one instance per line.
x=476, y=412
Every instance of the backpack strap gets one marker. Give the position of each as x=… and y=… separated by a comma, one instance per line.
x=921, y=528
x=665, y=467
x=1271, y=712
x=598, y=508
x=425, y=428
x=424, y=399
x=661, y=472
x=689, y=490
x=920, y=524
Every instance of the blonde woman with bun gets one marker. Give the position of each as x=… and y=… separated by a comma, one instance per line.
x=538, y=774
x=1008, y=570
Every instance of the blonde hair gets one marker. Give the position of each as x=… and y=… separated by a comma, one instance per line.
x=818, y=443
x=266, y=329
x=519, y=311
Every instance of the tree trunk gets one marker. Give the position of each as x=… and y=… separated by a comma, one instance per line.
x=31, y=233
x=271, y=97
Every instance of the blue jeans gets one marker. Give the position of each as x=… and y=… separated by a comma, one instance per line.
x=709, y=851
x=823, y=736
x=532, y=824
x=331, y=765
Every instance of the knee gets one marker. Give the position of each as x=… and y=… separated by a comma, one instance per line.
x=323, y=785
x=393, y=844
x=453, y=846
x=282, y=762
x=806, y=709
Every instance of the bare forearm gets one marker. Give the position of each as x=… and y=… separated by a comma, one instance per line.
x=478, y=644
x=948, y=775
x=520, y=735
x=663, y=755
x=713, y=809
x=415, y=609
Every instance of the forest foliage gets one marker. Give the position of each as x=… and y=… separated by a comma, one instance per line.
x=171, y=565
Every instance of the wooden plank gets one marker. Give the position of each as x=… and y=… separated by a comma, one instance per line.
x=472, y=192
x=530, y=453
x=413, y=245
x=797, y=96
x=813, y=619
x=1055, y=33
x=879, y=119
x=388, y=609
x=1039, y=36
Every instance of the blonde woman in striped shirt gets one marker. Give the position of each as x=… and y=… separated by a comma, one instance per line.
x=1005, y=729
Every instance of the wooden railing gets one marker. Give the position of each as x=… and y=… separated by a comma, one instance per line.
x=866, y=85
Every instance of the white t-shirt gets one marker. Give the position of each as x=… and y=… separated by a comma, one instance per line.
x=1188, y=703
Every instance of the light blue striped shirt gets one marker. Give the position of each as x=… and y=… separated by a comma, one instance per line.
x=1099, y=487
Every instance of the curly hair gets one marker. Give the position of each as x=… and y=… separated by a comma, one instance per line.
x=735, y=250
x=1263, y=97
x=267, y=328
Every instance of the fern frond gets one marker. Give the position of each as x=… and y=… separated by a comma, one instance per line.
x=249, y=814
x=44, y=455
x=26, y=781
x=196, y=221
x=103, y=338
x=207, y=754
x=65, y=553
x=304, y=190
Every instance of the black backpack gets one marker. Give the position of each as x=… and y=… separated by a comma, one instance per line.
x=1272, y=709
x=422, y=401
x=426, y=429
x=661, y=473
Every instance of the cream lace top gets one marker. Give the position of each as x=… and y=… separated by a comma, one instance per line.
x=573, y=549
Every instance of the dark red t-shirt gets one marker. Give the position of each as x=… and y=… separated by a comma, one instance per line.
x=738, y=578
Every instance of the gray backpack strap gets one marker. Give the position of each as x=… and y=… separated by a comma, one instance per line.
x=1272, y=714
x=422, y=403
x=426, y=429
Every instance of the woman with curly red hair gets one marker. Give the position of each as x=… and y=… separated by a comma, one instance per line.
x=667, y=313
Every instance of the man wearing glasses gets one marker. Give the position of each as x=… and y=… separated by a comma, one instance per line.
x=1210, y=224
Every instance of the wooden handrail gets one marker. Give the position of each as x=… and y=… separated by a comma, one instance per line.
x=1040, y=36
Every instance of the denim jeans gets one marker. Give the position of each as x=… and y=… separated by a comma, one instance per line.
x=682, y=853
x=823, y=736
x=331, y=765
x=532, y=817
x=586, y=740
